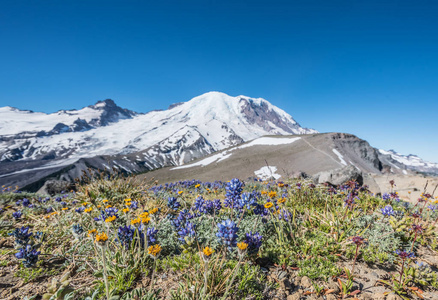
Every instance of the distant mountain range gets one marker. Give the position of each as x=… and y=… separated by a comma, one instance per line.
x=36, y=146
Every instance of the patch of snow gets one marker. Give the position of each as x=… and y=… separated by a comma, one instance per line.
x=339, y=155
x=269, y=141
x=405, y=172
x=267, y=172
x=206, y=161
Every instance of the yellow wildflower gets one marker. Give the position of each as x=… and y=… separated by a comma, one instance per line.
x=242, y=245
x=110, y=219
x=272, y=194
x=144, y=214
x=154, y=250
x=153, y=211
x=145, y=220
x=128, y=200
x=208, y=251
x=263, y=192
x=108, y=206
x=128, y=203
x=135, y=221
x=125, y=210
x=180, y=192
x=84, y=204
x=198, y=185
x=268, y=205
x=92, y=232
x=101, y=237
x=99, y=206
x=64, y=208
x=281, y=200
x=88, y=209
x=104, y=201
x=280, y=184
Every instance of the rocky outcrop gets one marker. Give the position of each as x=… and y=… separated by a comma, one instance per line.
x=339, y=176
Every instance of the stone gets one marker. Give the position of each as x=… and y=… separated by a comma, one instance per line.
x=306, y=282
x=393, y=297
x=53, y=187
x=332, y=285
x=285, y=284
x=294, y=296
x=378, y=296
x=339, y=176
x=330, y=297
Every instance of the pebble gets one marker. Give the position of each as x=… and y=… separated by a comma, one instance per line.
x=295, y=296
x=306, y=282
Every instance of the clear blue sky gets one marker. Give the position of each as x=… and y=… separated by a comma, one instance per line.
x=363, y=67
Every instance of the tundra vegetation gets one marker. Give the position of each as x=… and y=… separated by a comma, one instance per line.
x=121, y=238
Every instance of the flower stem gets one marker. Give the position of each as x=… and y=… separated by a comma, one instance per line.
x=232, y=278
x=105, y=275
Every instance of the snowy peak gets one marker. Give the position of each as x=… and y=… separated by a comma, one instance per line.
x=409, y=162
x=26, y=123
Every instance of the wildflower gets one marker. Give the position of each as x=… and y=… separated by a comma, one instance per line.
x=284, y=214
x=180, y=192
x=105, y=201
x=207, y=251
x=242, y=245
x=282, y=200
x=92, y=232
x=154, y=250
x=125, y=235
x=133, y=205
x=84, y=204
x=78, y=231
x=272, y=194
x=254, y=242
x=404, y=254
x=108, y=206
x=29, y=256
x=263, y=192
x=187, y=233
x=22, y=236
x=88, y=209
x=268, y=204
x=64, y=208
x=135, y=221
x=153, y=211
x=388, y=211
x=101, y=239
x=197, y=186
x=110, y=219
x=145, y=220
x=233, y=192
x=227, y=233
x=358, y=240
x=128, y=200
x=80, y=209
x=17, y=215
x=125, y=210
x=151, y=235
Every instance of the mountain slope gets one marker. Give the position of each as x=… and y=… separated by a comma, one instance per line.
x=404, y=163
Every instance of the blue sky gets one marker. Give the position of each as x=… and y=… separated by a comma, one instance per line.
x=365, y=67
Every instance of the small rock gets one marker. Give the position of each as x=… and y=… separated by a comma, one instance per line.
x=285, y=284
x=393, y=297
x=330, y=297
x=333, y=286
x=306, y=282
x=294, y=296
x=378, y=297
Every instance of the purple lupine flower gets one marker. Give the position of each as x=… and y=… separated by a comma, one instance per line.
x=150, y=234
x=387, y=211
x=125, y=235
x=80, y=210
x=26, y=202
x=17, y=215
x=22, y=235
x=385, y=196
x=227, y=233
x=284, y=215
x=404, y=254
x=134, y=205
x=188, y=231
x=29, y=256
x=172, y=203
x=233, y=192
x=254, y=241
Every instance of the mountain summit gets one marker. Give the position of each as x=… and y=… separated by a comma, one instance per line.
x=31, y=141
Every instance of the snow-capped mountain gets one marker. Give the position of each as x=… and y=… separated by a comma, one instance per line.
x=403, y=163
x=31, y=141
